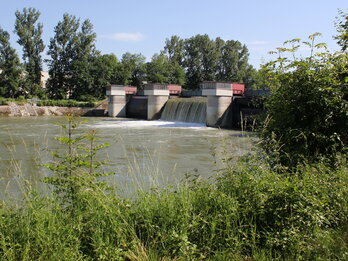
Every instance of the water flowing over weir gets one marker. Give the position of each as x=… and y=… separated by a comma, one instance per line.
x=185, y=110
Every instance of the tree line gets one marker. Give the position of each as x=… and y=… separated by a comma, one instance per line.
x=78, y=70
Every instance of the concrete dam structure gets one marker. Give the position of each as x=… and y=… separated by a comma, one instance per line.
x=216, y=107
x=185, y=110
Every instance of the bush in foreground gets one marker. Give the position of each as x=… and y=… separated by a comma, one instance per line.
x=247, y=213
x=308, y=107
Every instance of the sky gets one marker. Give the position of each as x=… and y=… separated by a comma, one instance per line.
x=141, y=26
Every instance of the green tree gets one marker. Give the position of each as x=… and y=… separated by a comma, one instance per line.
x=76, y=170
x=219, y=44
x=84, y=55
x=177, y=74
x=250, y=78
x=73, y=56
x=161, y=70
x=133, y=69
x=157, y=69
x=342, y=29
x=62, y=51
x=307, y=119
x=10, y=67
x=215, y=60
x=104, y=72
x=29, y=33
x=200, y=60
x=174, y=49
x=233, y=62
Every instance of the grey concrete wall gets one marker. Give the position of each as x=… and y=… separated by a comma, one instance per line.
x=137, y=107
x=117, y=106
x=216, y=106
x=155, y=104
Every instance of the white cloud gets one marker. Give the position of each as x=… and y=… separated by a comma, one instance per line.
x=125, y=37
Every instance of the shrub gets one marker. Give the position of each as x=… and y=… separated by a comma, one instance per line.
x=20, y=100
x=3, y=101
x=193, y=221
x=87, y=98
x=250, y=212
x=65, y=103
x=301, y=215
x=307, y=109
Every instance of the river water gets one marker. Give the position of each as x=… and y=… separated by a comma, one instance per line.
x=142, y=154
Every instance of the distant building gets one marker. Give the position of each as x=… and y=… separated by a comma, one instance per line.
x=44, y=78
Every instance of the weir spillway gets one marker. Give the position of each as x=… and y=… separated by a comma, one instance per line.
x=185, y=110
x=216, y=107
x=206, y=110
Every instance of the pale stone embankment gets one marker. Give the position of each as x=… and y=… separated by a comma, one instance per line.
x=27, y=109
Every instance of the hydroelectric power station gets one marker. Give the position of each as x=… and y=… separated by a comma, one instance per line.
x=216, y=104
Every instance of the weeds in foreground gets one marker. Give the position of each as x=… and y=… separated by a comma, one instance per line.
x=248, y=213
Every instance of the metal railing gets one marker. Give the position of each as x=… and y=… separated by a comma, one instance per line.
x=115, y=87
x=156, y=87
x=216, y=85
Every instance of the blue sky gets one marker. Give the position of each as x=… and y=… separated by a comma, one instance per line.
x=141, y=26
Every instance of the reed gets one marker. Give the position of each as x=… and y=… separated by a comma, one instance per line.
x=248, y=212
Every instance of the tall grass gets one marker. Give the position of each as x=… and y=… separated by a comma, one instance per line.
x=249, y=212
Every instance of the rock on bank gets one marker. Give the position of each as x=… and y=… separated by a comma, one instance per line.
x=27, y=109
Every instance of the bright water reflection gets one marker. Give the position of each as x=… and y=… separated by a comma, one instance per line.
x=141, y=153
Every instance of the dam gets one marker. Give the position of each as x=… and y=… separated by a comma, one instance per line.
x=216, y=104
x=185, y=110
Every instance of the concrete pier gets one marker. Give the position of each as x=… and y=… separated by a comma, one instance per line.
x=117, y=101
x=158, y=95
x=219, y=97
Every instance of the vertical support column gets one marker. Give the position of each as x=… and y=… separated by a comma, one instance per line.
x=117, y=101
x=158, y=95
x=216, y=106
x=154, y=105
x=117, y=106
x=219, y=98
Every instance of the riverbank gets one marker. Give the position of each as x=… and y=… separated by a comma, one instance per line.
x=248, y=210
x=13, y=109
x=248, y=213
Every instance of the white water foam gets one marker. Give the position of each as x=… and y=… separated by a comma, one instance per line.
x=142, y=124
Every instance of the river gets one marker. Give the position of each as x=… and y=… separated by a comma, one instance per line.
x=142, y=154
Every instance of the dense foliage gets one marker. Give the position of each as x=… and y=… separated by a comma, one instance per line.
x=73, y=56
x=10, y=68
x=61, y=50
x=65, y=103
x=205, y=59
x=29, y=33
x=18, y=100
x=342, y=29
x=162, y=70
x=308, y=109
